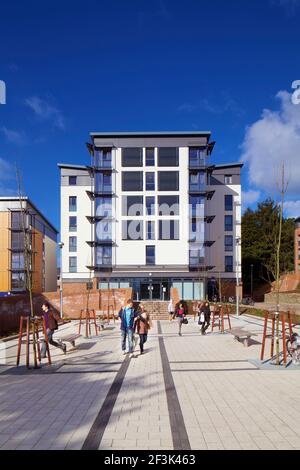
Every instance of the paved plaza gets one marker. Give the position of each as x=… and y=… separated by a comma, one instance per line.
x=189, y=392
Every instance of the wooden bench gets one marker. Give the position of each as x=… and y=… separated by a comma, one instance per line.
x=242, y=336
x=70, y=338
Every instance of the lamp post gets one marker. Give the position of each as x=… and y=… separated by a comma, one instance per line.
x=251, y=266
x=61, y=245
x=237, y=293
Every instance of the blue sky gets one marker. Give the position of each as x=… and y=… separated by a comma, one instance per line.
x=136, y=65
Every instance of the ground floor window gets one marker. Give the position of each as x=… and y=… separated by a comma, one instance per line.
x=149, y=288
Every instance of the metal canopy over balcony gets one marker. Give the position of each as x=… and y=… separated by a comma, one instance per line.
x=209, y=218
x=101, y=268
x=93, y=194
x=209, y=243
x=100, y=242
x=98, y=218
x=99, y=169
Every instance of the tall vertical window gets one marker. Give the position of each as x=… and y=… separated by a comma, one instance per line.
x=16, y=220
x=150, y=205
x=228, y=243
x=103, y=206
x=150, y=230
x=103, y=182
x=17, y=261
x=150, y=255
x=228, y=202
x=228, y=264
x=73, y=224
x=228, y=223
x=72, y=180
x=103, y=255
x=102, y=158
x=73, y=264
x=228, y=179
x=197, y=156
x=150, y=181
x=150, y=159
x=104, y=230
x=72, y=203
x=72, y=244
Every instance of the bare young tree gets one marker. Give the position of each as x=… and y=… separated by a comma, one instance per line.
x=27, y=258
x=283, y=186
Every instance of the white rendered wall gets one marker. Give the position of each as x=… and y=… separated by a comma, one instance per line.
x=168, y=252
x=83, y=233
x=216, y=230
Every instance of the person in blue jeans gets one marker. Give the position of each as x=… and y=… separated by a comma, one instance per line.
x=127, y=316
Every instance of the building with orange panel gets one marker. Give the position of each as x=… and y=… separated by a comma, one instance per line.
x=297, y=246
x=16, y=218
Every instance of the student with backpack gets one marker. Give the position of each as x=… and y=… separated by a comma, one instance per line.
x=127, y=316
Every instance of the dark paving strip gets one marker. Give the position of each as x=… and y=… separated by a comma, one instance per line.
x=215, y=370
x=178, y=429
x=208, y=362
x=92, y=363
x=95, y=435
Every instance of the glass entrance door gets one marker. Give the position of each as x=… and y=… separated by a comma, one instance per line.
x=151, y=291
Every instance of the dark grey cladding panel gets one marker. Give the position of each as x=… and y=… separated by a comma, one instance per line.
x=120, y=142
x=83, y=176
x=74, y=172
x=218, y=175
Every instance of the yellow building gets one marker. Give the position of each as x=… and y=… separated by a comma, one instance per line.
x=42, y=242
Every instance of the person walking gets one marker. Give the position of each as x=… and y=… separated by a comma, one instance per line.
x=51, y=319
x=143, y=324
x=127, y=316
x=180, y=313
x=171, y=310
x=204, y=317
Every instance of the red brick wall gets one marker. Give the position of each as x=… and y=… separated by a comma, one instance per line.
x=11, y=308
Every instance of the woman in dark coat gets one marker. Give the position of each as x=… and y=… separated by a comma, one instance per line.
x=204, y=317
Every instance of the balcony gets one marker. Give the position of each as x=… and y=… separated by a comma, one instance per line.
x=100, y=192
x=107, y=241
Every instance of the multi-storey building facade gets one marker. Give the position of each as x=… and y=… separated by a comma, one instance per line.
x=152, y=212
x=17, y=218
x=297, y=246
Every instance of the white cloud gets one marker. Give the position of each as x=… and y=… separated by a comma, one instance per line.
x=14, y=137
x=46, y=111
x=272, y=140
x=250, y=197
x=292, y=208
x=290, y=6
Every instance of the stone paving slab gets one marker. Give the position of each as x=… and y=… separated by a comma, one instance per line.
x=225, y=400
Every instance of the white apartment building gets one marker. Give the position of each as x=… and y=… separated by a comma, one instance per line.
x=152, y=212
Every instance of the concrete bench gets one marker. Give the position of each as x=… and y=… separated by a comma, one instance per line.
x=242, y=336
x=71, y=338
